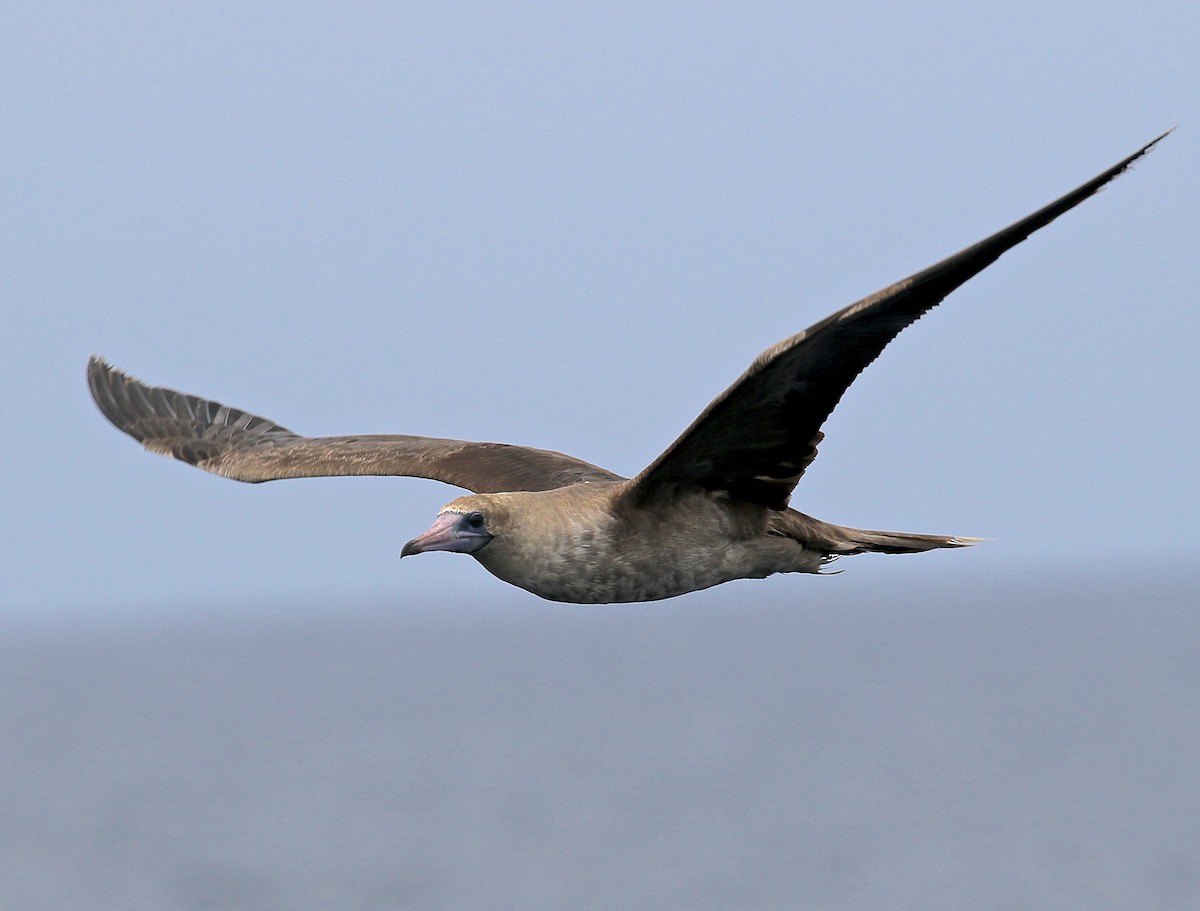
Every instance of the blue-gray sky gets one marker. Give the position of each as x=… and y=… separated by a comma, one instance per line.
x=571, y=225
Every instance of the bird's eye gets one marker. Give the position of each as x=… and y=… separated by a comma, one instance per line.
x=475, y=520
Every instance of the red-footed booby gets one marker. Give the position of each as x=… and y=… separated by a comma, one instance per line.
x=712, y=508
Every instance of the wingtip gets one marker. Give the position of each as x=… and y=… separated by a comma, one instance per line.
x=100, y=378
x=1159, y=138
x=1145, y=149
x=110, y=388
x=99, y=368
x=104, y=380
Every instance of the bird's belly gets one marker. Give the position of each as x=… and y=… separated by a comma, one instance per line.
x=587, y=576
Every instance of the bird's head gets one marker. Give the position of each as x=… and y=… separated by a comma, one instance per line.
x=464, y=526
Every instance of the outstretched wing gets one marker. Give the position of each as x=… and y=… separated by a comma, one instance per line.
x=242, y=446
x=757, y=437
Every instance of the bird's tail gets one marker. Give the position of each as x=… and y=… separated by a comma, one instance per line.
x=865, y=541
x=840, y=541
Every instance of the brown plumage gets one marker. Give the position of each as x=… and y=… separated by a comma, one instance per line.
x=712, y=508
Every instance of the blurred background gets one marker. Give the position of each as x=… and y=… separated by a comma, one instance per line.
x=570, y=226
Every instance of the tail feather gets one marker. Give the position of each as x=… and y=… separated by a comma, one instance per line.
x=838, y=540
x=863, y=541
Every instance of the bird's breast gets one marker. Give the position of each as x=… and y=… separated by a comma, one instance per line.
x=594, y=557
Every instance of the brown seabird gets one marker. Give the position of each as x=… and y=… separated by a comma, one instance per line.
x=712, y=508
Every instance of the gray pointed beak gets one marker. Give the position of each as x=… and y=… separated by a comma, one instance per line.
x=447, y=533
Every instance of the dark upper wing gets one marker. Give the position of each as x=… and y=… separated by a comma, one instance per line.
x=237, y=445
x=757, y=437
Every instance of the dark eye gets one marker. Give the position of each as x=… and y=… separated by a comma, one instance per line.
x=475, y=520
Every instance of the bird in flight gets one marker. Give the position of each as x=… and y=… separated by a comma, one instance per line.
x=711, y=508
